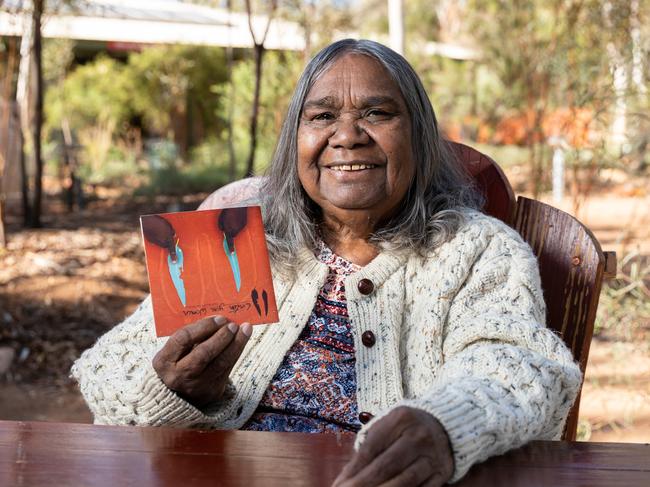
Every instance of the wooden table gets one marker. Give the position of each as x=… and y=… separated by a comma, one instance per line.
x=57, y=454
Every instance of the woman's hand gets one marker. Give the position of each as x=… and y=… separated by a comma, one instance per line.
x=407, y=447
x=196, y=360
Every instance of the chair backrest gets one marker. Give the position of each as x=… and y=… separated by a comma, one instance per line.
x=490, y=181
x=570, y=259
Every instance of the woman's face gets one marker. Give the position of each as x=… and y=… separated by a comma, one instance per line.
x=354, y=140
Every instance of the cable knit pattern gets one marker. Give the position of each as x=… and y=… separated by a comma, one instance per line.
x=459, y=334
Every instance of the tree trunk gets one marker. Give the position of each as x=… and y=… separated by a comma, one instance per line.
x=232, y=161
x=35, y=220
x=5, y=123
x=24, y=186
x=259, y=54
x=69, y=180
x=22, y=100
x=258, y=48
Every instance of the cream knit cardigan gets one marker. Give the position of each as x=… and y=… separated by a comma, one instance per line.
x=459, y=334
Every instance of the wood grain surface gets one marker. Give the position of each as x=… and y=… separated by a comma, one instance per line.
x=571, y=265
x=57, y=454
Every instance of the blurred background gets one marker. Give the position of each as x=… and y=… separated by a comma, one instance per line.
x=112, y=108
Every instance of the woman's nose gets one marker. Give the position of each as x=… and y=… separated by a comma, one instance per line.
x=348, y=134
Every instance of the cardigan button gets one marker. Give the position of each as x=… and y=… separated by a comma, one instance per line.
x=368, y=338
x=365, y=286
x=364, y=417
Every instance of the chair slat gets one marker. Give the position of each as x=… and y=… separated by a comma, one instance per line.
x=571, y=265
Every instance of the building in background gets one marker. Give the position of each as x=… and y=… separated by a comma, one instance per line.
x=126, y=24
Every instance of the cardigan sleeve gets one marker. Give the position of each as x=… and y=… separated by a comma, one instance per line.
x=506, y=379
x=120, y=386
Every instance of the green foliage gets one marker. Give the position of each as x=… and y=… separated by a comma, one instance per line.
x=535, y=57
x=58, y=55
x=166, y=89
x=118, y=166
x=280, y=73
x=169, y=81
x=178, y=93
x=182, y=180
x=159, y=85
x=98, y=92
x=448, y=83
x=94, y=101
x=208, y=169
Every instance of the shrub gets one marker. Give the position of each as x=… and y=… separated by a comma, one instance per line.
x=625, y=303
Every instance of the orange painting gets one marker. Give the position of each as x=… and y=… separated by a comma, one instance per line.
x=207, y=263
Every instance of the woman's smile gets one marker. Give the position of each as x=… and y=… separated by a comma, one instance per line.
x=352, y=167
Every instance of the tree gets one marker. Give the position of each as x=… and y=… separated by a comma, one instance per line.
x=31, y=71
x=543, y=56
x=232, y=159
x=321, y=20
x=281, y=73
x=258, y=50
x=172, y=91
x=35, y=220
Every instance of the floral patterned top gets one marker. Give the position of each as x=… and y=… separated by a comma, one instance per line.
x=314, y=390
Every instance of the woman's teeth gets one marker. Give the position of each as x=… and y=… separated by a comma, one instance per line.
x=353, y=167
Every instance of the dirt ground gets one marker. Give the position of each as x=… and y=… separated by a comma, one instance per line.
x=61, y=287
x=64, y=285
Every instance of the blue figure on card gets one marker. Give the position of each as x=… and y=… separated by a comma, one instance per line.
x=231, y=221
x=160, y=232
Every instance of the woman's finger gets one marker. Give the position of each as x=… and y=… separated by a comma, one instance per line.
x=229, y=356
x=421, y=471
x=196, y=361
x=387, y=465
x=437, y=480
x=380, y=436
x=186, y=338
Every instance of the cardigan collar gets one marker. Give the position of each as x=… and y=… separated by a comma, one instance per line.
x=311, y=272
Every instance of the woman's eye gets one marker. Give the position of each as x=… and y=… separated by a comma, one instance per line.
x=323, y=116
x=376, y=114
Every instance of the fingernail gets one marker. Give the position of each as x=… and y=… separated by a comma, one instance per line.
x=219, y=320
x=232, y=327
x=247, y=329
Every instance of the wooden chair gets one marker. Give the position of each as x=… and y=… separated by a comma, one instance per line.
x=571, y=262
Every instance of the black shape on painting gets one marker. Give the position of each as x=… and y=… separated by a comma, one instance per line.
x=255, y=297
x=231, y=222
x=160, y=232
x=265, y=298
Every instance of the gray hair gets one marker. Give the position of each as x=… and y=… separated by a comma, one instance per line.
x=431, y=211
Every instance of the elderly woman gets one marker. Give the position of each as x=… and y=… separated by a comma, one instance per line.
x=405, y=314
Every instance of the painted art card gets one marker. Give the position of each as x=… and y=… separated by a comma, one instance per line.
x=208, y=262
